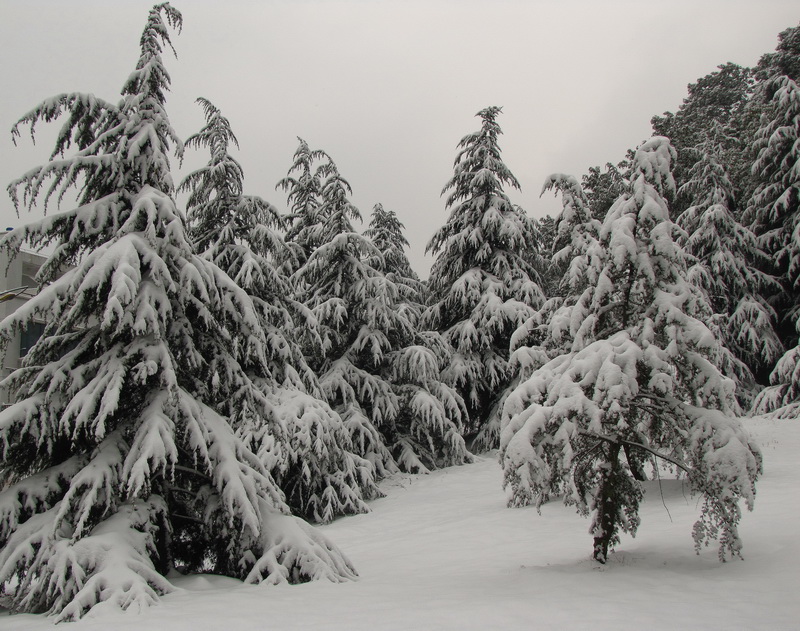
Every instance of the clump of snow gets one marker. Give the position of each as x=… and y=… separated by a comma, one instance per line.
x=108, y=570
x=294, y=552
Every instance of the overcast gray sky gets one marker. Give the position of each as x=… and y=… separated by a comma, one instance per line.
x=388, y=87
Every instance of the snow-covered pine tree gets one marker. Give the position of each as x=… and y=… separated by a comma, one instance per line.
x=240, y=234
x=639, y=388
x=574, y=245
x=312, y=462
x=572, y=242
x=386, y=233
x=721, y=98
x=604, y=187
x=482, y=285
x=303, y=185
x=775, y=208
x=352, y=304
x=428, y=426
x=118, y=465
x=727, y=269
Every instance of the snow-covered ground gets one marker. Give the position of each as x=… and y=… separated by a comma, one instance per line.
x=443, y=552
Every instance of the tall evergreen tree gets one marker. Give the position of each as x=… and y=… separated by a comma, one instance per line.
x=726, y=269
x=482, y=286
x=118, y=458
x=313, y=463
x=722, y=99
x=774, y=210
x=240, y=234
x=352, y=305
x=638, y=384
x=303, y=185
x=428, y=427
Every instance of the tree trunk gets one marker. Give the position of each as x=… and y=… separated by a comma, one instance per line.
x=608, y=505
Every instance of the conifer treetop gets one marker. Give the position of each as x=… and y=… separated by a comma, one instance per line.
x=484, y=229
x=386, y=232
x=318, y=199
x=118, y=147
x=479, y=168
x=220, y=214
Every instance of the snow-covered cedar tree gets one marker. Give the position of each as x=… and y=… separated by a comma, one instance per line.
x=727, y=262
x=303, y=185
x=574, y=247
x=385, y=231
x=240, y=234
x=638, y=390
x=352, y=305
x=482, y=286
x=312, y=463
x=428, y=426
x=603, y=188
x=721, y=98
x=541, y=255
x=119, y=463
x=775, y=208
x=572, y=244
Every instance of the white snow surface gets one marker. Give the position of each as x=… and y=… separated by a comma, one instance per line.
x=442, y=551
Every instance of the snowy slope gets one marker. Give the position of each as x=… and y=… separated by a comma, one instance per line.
x=442, y=552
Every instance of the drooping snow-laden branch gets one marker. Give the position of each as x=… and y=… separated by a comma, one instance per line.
x=616, y=440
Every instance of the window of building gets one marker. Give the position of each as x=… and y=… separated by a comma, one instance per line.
x=29, y=336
